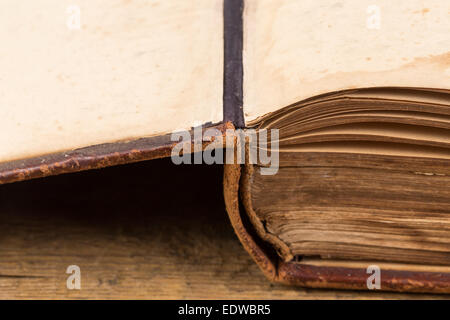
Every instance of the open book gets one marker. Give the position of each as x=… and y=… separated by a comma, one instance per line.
x=358, y=93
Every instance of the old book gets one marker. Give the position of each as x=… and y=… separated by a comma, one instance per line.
x=363, y=180
x=359, y=93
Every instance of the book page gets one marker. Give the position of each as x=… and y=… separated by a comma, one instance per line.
x=294, y=50
x=79, y=73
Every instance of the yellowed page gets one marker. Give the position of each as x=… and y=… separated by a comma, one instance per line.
x=133, y=68
x=294, y=50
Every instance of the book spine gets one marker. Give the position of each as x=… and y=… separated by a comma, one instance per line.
x=311, y=276
x=233, y=63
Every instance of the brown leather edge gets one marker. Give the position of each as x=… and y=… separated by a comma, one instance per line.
x=280, y=247
x=231, y=180
x=356, y=278
x=94, y=157
x=311, y=276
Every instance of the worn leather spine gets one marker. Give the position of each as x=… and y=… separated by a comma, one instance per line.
x=95, y=157
x=312, y=276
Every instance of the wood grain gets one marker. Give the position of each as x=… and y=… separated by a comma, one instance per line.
x=150, y=230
